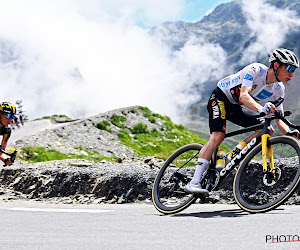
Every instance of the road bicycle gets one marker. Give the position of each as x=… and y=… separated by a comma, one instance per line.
x=268, y=171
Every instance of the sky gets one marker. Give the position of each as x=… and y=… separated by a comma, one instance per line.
x=195, y=10
x=84, y=57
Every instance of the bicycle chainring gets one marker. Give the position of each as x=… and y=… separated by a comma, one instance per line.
x=210, y=179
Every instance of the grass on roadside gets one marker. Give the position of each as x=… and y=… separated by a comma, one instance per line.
x=159, y=143
x=40, y=154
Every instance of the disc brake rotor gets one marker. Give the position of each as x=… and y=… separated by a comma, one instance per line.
x=272, y=176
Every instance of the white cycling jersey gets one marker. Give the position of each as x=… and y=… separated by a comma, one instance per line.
x=254, y=76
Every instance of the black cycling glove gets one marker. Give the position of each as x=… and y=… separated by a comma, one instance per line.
x=294, y=132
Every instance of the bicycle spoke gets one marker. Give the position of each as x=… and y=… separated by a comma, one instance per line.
x=168, y=191
x=257, y=190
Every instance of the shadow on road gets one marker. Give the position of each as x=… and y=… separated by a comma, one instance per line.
x=213, y=214
x=225, y=213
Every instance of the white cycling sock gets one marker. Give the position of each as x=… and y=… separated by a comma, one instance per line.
x=201, y=166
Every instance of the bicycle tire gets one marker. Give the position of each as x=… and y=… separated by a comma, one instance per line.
x=266, y=191
x=168, y=195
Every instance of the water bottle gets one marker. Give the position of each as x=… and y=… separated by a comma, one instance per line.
x=237, y=150
x=221, y=154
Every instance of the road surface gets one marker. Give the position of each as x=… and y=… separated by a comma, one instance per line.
x=38, y=225
x=31, y=128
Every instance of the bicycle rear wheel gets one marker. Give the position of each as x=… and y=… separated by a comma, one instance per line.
x=168, y=195
x=256, y=191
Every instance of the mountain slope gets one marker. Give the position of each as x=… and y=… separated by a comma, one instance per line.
x=118, y=134
x=227, y=26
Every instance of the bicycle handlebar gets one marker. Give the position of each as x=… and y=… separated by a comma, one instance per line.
x=278, y=115
x=11, y=155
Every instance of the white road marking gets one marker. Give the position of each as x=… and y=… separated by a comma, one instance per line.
x=58, y=210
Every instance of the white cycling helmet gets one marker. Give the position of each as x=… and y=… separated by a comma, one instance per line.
x=284, y=56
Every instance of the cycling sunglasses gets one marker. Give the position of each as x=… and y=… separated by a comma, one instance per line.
x=290, y=68
x=8, y=116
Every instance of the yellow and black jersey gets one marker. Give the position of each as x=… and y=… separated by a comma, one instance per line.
x=5, y=132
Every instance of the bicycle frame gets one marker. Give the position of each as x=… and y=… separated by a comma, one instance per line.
x=262, y=137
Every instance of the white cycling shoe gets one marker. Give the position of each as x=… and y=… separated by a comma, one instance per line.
x=195, y=188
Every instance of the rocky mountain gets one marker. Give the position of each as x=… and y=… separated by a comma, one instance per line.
x=117, y=135
x=230, y=27
x=110, y=157
x=227, y=26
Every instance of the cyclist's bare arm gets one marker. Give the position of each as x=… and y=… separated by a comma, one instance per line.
x=281, y=125
x=3, y=156
x=247, y=100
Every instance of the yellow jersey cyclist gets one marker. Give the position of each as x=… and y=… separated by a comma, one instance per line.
x=7, y=114
x=256, y=82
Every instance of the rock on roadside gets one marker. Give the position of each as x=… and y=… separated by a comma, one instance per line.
x=73, y=181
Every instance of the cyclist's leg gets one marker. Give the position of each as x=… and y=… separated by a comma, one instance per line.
x=217, y=124
x=215, y=139
x=216, y=108
x=205, y=154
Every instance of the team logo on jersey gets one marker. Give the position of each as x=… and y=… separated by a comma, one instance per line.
x=264, y=94
x=254, y=69
x=213, y=96
x=254, y=87
x=248, y=77
x=277, y=86
x=223, y=84
x=236, y=79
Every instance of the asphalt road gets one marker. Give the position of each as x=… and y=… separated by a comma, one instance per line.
x=37, y=225
x=30, y=128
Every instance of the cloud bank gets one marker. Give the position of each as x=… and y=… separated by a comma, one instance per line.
x=66, y=57
x=81, y=58
x=269, y=25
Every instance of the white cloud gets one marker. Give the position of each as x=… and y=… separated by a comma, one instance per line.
x=269, y=24
x=81, y=58
x=208, y=12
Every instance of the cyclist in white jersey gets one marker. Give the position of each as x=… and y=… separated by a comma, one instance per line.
x=252, y=84
x=254, y=76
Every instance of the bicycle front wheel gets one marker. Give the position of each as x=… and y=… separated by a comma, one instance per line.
x=168, y=193
x=258, y=191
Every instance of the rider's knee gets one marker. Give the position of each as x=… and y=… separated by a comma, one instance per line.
x=217, y=137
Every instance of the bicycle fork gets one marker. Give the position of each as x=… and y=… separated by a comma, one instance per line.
x=265, y=147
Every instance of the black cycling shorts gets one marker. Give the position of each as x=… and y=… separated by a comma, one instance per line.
x=221, y=109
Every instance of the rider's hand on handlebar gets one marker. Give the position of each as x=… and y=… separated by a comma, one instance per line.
x=7, y=162
x=295, y=133
x=269, y=107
